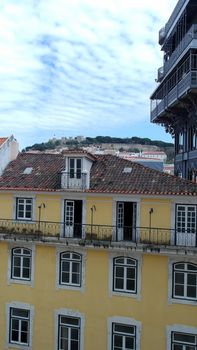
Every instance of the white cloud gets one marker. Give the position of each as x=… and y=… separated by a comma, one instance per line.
x=78, y=66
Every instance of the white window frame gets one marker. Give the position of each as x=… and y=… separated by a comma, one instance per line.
x=24, y=196
x=23, y=306
x=126, y=293
x=176, y=328
x=73, y=198
x=72, y=314
x=171, y=298
x=133, y=199
x=74, y=169
x=125, y=266
x=124, y=321
x=25, y=204
x=74, y=258
x=22, y=255
x=80, y=287
x=12, y=279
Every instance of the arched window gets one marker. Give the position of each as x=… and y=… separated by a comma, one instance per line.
x=185, y=281
x=21, y=264
x=70, y=269
x=125, y=275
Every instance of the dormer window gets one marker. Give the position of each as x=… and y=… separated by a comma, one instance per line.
x=75, y=168
x=76, y=175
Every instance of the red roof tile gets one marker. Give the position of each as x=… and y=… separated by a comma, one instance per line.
x=2, y=140
x=109, y=174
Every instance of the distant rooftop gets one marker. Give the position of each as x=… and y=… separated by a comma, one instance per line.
x=2, y=140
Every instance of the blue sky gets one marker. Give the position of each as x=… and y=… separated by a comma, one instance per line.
x=79, y=67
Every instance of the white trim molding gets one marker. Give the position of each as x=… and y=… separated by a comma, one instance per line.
x=171, y=299
x=83, y=254
x=69, y=313
x=19, y=305
x=73, y=197
x=138, y=258
x=125, y=321
x=24, y=195
x=131, y=199
x=180, y=329
x=9, y=274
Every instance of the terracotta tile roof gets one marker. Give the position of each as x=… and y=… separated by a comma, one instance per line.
x=109, y=174
x=2, y=140
x=45, y=174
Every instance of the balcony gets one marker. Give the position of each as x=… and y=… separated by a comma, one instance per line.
x=76, y=181
x=158, y=106
x=187, y=39
x=175, y=14
x=83, y=234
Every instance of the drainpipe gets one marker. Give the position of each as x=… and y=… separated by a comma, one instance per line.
x=93, y=209
x=42, y=205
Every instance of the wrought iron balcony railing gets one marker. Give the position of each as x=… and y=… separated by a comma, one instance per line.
x=55, y=231
x=187, y=39
x=74, y=180
x=189, y=81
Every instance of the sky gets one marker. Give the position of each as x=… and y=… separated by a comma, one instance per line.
x=79, y=67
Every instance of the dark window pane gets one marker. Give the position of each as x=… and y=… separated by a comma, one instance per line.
x=15, y=336
x=24, y=337
x=65, y=277
x=119, y=272
x=15, y=324
x=179, y=290
x=191, y=267
x=179, y=277
x=129, y=343
x=119, y=283
x=74, y=345
x=191, y=292
x=65, y=266
x=64, y=344
x=20, y=313
x=17, y=272
x=130, y=273
x=69, y=320
x=74, y=334
x=124, y=328
x=131, y=285
x=26, y=273
x=118, y=340
x=75, y=278
x=191, y=279
x=26, y=262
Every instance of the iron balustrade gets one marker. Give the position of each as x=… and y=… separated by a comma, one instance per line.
x=174, y=15
x=188, y=81
x=74, y=180
x=44, y=230
x=189, y=36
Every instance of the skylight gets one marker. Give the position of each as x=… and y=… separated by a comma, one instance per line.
x=28, y=170
x=127, y=170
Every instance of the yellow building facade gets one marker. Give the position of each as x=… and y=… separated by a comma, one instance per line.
x=96, y=267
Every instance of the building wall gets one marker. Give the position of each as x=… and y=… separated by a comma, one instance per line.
x=96, y=301
x=8, y=152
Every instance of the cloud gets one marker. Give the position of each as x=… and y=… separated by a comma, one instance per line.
x=78, y=66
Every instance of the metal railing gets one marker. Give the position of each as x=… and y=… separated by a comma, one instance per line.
x=189, y=36
x=55, y=231
x=174, y=14
x=187, y=82
x=72, y=180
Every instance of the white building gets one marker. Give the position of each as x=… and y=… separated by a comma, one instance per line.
x=9, y=149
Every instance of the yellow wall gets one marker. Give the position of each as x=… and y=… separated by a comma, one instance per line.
x=161, y=215
x=103, y=213
x=96, y=303
x=6, y=206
